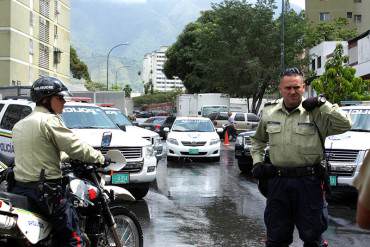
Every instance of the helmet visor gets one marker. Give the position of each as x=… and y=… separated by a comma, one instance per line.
x=64, y=94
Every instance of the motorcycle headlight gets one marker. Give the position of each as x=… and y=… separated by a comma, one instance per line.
x=239, y=140
x=148, y=151
x=173, y=141
x=214, y=141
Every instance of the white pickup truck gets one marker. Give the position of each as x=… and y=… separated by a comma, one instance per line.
x=345, y=152
x=89, y=122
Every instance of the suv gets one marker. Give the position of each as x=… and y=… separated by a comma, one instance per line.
x=345, y=152
x=89, y=122
x=125, y=124
x=243, y=121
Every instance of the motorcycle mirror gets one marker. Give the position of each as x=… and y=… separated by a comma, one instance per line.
x=118, y=160
x=106, y=139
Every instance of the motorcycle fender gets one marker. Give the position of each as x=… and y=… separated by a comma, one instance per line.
x=120, y=193
x=33, y=227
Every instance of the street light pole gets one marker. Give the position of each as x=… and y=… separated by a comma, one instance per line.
x=282, y=57
x=121, y=44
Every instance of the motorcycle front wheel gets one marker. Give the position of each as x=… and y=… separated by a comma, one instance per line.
x=128, y=228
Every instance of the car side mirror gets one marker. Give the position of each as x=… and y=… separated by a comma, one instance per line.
x=220, y=130
x=122, y=127
x=199, y=112
x=106, y=139
x=166, y=129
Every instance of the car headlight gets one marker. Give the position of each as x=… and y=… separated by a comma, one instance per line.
x=239, y=140
x=148, y=151
x=214, y=141
x=172, y=141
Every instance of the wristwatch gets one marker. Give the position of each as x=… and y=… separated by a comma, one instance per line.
x=321, y=99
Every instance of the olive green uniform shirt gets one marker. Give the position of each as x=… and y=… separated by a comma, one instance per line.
x=362, y=182
x=39, y=139
x=293, y=137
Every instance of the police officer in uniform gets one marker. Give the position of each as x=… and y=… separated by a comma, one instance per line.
x=293, y=129
x=362, y=183
x=39, y=139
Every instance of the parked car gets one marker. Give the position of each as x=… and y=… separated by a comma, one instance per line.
x=193, y=137
x=346, y=152
x=125, y=124
x=158, y=123
x=243, y=121
x=243, y=154
x=89, y=122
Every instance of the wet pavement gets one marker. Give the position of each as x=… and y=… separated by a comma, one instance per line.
x=196, y=203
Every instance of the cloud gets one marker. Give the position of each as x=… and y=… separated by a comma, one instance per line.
x=300, y=3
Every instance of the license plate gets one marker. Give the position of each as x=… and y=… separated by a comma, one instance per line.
x=333, y=180
x=120, y=178
x=193, y=151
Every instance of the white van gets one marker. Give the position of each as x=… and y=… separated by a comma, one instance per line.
x=89, y=122
x=345, y=152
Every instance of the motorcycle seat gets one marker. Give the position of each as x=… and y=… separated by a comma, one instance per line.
x=17, y=201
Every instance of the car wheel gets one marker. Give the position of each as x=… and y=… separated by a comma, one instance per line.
x=246, y=167
x=139, y=192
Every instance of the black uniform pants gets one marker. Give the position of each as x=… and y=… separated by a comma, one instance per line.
x=296, y=202
x=63, y=217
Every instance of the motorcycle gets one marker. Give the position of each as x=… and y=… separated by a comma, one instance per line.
x=102, y=222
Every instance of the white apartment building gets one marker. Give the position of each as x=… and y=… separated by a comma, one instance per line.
x=359, y=54
x=153, y=71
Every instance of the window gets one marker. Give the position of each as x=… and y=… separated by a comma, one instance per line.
x=324, y=16
x=44, y=56
x=319, y=62
x=349, y=14
x=55, y=32
x=1, y=107
x=252, y=117
x=31, y=19
x=44, y=30
x=239, y=117
x=313, y=64
x=358, y=18
x=13, y=114
x=44, y=7
x=222, y=116
x=57, y=56
x=31, y=47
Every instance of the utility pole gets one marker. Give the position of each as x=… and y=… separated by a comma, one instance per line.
x=282, y=38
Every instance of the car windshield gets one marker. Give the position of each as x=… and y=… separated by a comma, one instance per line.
x=86, y=117
x=193, y=125
x=155, y=120
x=360, y=119
x=118, y=117
x=206, y=110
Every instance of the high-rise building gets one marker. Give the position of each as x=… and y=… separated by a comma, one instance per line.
x=153, y=71
x=357, y=12
x=34, y=40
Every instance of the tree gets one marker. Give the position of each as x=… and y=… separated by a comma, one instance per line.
x=335, y=30
x=127, y=89
x=95, y=86
x=229, y=49
x=78, y=68
x=339, y=82
x=116, y=87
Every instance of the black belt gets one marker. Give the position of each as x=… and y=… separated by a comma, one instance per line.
x=297, y=171
x=36, y=184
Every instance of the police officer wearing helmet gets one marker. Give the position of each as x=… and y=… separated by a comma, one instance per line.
x=295, y=130
x=39, y=139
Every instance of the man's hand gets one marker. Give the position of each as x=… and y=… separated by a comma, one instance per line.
x=263, y=170
x=107, y=161
x=311, y=103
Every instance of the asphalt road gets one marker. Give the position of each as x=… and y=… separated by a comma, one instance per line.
x=196, y=203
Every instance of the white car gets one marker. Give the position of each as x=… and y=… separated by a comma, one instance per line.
x=193, y=137
x=125, y=124
x=89, y=122
x=346, y=152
